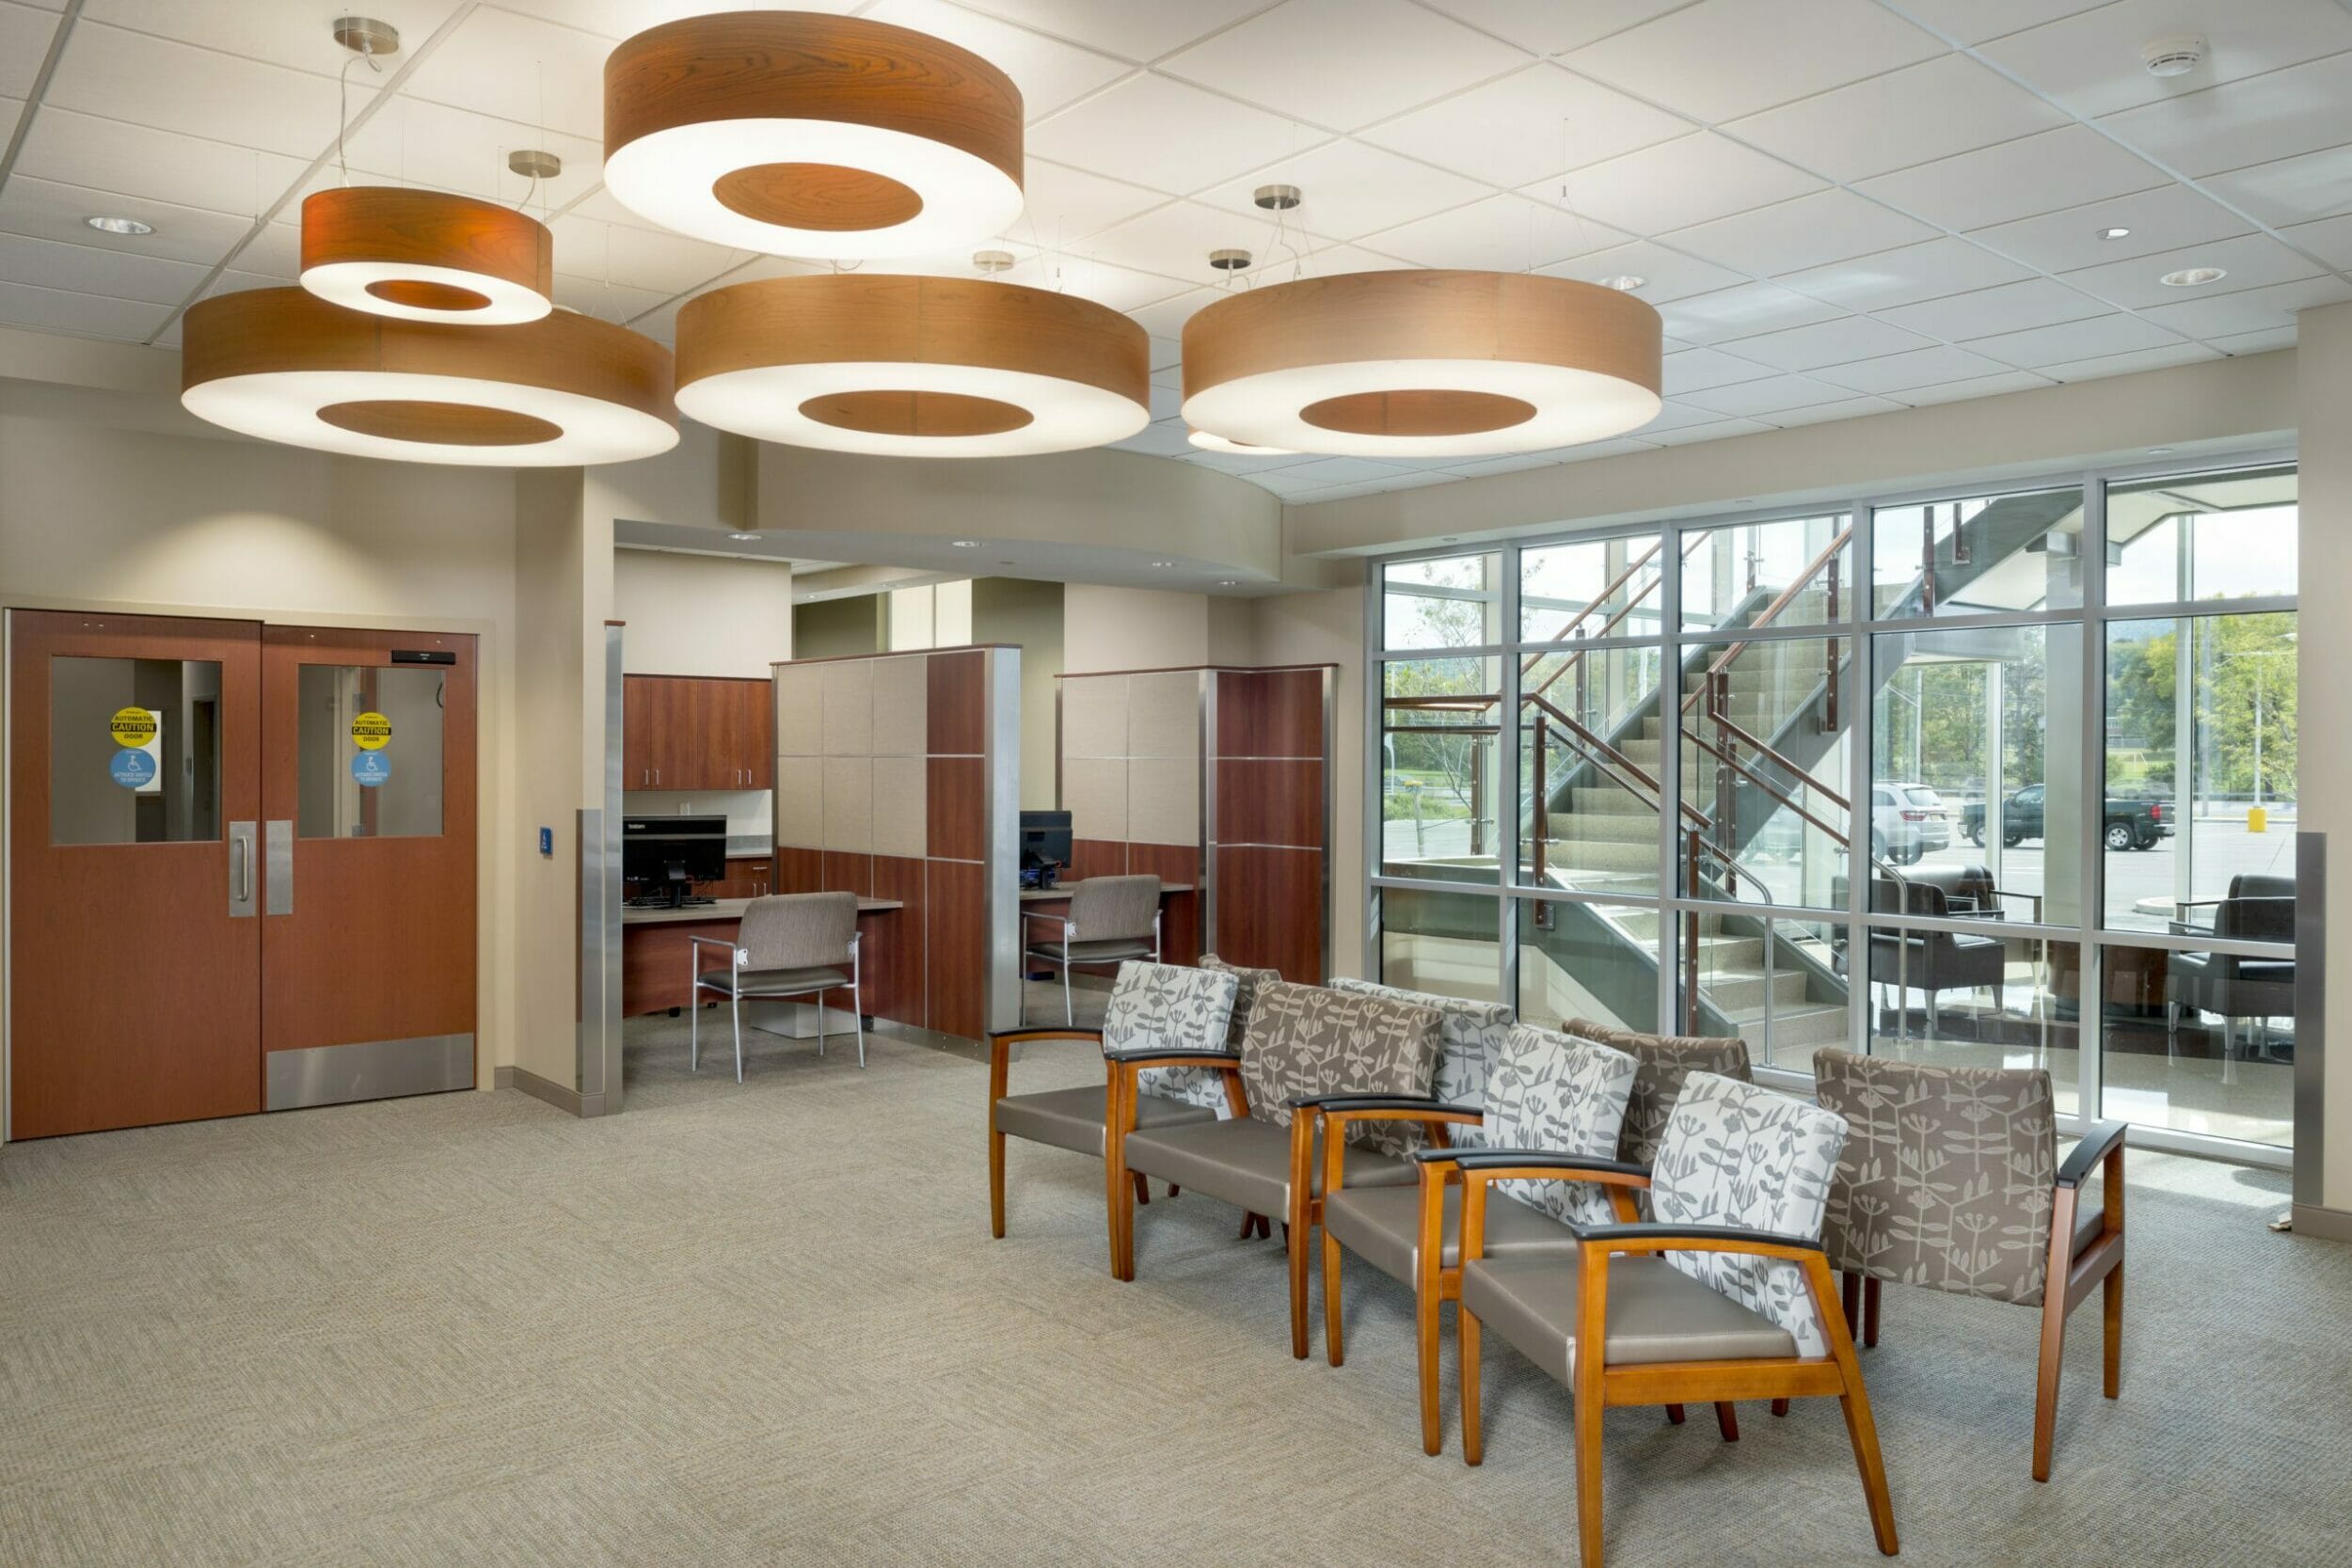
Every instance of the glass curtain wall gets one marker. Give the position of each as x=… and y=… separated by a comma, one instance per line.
x=1915, y=776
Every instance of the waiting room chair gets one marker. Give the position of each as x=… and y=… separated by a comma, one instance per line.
x=1663, y=1064
x=1933, y=961
x=788, y=944
x=1546, y=1091
x=1302, y=1043
x=1950, y=1179
x=1161, y=1006
x=2234, y=987
x=1111, y=920
x=1726, y=1294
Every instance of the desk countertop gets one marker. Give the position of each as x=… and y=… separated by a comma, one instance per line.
x=729, y=909
x=1061, y=890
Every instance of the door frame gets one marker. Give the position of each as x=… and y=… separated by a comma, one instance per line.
x=493, y=675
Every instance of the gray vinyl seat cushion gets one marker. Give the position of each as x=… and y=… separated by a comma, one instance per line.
x=1382, y=1226
x=1656, y=1313
x=749, y=982
x=1074, y=1119
x=1102, y=951
x=1247, y=1163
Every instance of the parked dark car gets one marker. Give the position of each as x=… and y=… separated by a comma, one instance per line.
x=2129, y=824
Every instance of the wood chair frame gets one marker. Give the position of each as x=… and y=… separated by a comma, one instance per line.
x=1121, y=1184
x=1000, y=1050
x=1595, y=1386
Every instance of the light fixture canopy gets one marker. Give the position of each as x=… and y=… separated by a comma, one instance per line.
x=1423, y=364
x=426, y=256
x=904, y=365
x=804, y=135
x=283, y=365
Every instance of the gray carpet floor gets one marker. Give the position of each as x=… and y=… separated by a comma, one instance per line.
x=766, y=1325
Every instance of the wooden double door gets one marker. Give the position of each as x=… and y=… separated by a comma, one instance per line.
x=242, y=867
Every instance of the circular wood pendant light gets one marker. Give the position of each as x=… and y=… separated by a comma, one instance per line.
x=283, y=365
x=804, y=135
x=426, y=256
x=1423, y=364
x=912, y=365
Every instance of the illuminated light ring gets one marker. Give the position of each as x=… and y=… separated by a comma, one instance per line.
x=1208, y=440
x=1423, y=364
x=282, y=365
x=906, y=366
x=804, y=135
x=417, y=255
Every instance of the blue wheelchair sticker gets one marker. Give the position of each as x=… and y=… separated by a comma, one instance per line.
x=132, y=767
x=371, y=767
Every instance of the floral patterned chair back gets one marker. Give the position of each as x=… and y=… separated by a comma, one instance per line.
x=1948, y=1176
x=1735, y=1154
x=1248, y=984
x=1666, y=1060
x=1472, y=1040
x=1172, y=1007
x=1307, y=1041
x=1563, y=1095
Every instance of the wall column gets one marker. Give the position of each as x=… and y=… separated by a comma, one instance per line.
x=2323, y=1177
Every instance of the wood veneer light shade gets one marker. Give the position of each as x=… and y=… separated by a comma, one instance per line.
x=283, y=365
x=804, y=135
x=911, y=366
x=1423, y=364
x=426, y=256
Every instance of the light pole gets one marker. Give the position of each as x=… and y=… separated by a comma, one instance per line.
x=2258, y=654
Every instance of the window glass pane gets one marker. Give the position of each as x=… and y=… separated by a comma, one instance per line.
x=2204, y=1043
x=1588, y=770
x=1446, y=943
x=370, y=751
x=1765, y=769
x=1972, y=715
x=1982, y=997
x=133, y=751
x=1790, y=572
x=1978, y=555
x=2200, y=764
x=1588, y=961
x=1780, y=984
x=2212, y=536
x=1450, y=602
x=1440, y=789
x=1591, y=588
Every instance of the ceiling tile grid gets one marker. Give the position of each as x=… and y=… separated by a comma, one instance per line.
x=1839, y=206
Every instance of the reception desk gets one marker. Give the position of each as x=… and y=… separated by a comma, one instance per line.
x=656, y=956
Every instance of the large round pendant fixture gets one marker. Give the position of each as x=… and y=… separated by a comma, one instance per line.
x=1423, y=364
x=418, y=255
x=804, y=135
x=911, y=365
x=283, y=365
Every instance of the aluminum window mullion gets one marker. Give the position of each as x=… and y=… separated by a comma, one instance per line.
x=1669, y=700
x=1508, y=855
x=2091, y=1021
x=1860, y=760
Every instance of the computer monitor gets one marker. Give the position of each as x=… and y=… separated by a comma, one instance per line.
x=1045, y=839
x=667, y=855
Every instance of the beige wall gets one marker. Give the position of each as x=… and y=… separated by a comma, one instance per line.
x=1132, y=629
x=1030, y=615
x=701, y=614
x=2324, y=654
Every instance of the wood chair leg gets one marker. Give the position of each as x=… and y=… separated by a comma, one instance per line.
x=1295, y=1243
x=1675, y=1414
x=1248, y=1227
x=995, y=1181
x=1173, y=1188
x=1727, y=1420
x=1850, y=1297
x=1780, y=1407
x=2112, y=1328
x=1860, y=1431
x=1334, y=1334
x=1429, y=1308
x=1587, y=1422
x=1870, y=1311
x=2045, y=1391
x=1466, y=1350
x=1143, y=1188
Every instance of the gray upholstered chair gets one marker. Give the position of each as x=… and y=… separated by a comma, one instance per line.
x=1111, y=920
x=1928, y=960
x=1159, y=1006
x=1726, y=1294
x=1302, y=1043
x=2231, y=986
x=789, y=945
x=1543, y=1090
x=1950, y=1180
x=1665, y=1061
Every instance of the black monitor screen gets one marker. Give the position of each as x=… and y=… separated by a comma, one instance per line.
x=1044, y=837
x=674, y=849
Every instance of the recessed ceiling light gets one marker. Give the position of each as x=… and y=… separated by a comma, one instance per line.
x=1163, y=564
x=108, y=224
x=2188, y=277
x=1228, y=582
x=966, y=544
x=1625, y=282
x=2159, y=452
x=2114, y=231
x=746, y=536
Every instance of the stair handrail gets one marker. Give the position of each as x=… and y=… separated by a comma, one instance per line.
x=1697, y=538
x=1771, y=971
x=1740, y=733
x=1838, y=835
x=1610, y=759
x=1772, y=611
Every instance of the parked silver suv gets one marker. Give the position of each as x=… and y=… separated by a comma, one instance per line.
x=1907, y=821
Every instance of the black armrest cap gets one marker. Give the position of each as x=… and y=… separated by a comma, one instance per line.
x=1654, y=1230
x=1145, y=1053
x=2083, y=1162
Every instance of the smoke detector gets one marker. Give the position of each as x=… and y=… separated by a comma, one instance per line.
x=993, y=260
x=1228, y=260
x=2174, y=54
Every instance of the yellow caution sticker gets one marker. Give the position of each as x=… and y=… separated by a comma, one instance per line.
x=371, y=732
x=132, y=726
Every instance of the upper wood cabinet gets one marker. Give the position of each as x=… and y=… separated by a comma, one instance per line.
x=695, y=732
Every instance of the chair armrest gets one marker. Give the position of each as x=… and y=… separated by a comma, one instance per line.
x=1354, y=1102
x=1568, y=1167
x=1657, y=1236
x=1155, y=1057
x=2099, y=1139
x=714, y=942
x=1068, y=928
x=1015, y=1036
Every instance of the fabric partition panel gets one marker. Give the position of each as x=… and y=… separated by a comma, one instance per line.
x=895, y=779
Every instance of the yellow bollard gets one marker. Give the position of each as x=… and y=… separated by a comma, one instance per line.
x=2257, y=820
